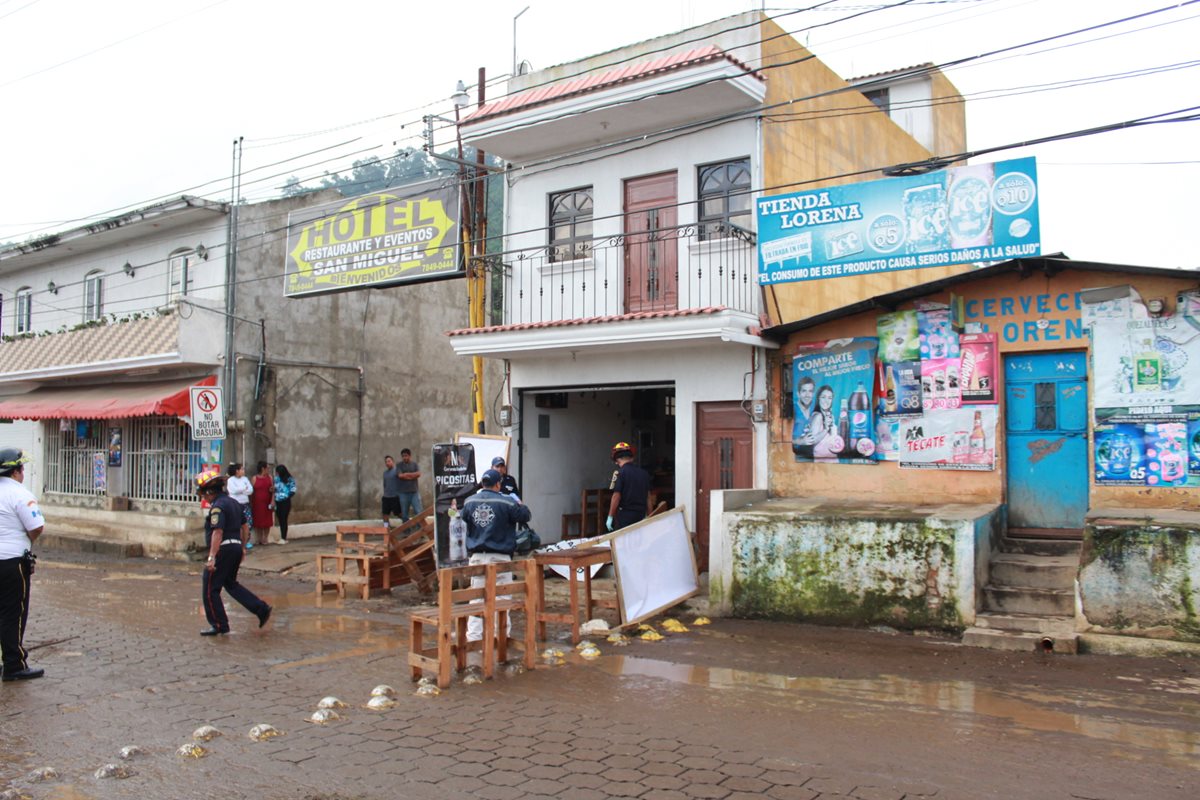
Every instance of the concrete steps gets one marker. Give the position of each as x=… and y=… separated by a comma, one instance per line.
x=1028, y=603
x=121, y=534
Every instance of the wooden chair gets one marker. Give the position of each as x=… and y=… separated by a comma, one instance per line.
x=593, y=506
x=376, y=557
x=449, y=619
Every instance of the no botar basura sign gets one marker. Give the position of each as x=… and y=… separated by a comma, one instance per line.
x=406, y=235
x=983, y=212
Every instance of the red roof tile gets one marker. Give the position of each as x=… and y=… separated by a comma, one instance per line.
x=584, y=84
x=562, y=323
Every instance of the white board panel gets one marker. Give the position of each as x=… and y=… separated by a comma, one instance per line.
x=486, y=448
x=655, y=565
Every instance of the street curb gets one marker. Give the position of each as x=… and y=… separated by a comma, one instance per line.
x=1108, y=645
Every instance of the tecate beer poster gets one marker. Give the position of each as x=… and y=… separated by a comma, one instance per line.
x=954, y=439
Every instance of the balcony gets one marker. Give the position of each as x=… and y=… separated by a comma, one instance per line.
x=676, y=284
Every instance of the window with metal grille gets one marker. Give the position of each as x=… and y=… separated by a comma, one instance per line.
x=76, y=457
x=93, y=296
x=24, y=320
x=1045, y=406
x=180, y=272
x=724, y=197
x=162, y=459
x=571, y=224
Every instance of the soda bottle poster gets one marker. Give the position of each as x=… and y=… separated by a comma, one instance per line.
x=1144, y=453
x=961, y=439
x=833, y=383
x=453, y=480
x=1146, y=367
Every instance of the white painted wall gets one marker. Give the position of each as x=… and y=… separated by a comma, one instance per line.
x=122, y=294
x=700, y=374
x=527, y=209
x=911, y=109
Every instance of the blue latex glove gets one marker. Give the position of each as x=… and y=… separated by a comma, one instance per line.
x=608, y=522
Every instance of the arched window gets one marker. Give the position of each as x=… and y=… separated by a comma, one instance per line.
x=24, y=310
x=182, y=265
x=93, y=296
x=724, y=191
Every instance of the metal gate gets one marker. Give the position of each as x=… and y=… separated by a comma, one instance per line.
x=76, y=457
x=162, y=459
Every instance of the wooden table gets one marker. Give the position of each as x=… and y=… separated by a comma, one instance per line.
x=573, y=559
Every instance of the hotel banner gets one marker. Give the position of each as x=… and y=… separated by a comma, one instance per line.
x=406, y=235
x=983, y=212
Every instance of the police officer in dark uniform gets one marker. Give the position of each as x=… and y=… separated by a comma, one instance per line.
x=223, y=538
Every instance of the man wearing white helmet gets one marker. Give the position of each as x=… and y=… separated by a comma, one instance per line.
x=20, y=525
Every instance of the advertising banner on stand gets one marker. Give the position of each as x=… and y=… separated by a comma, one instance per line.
x=953, y=439
x=405, y=235
x=1146, y=367
x=983, y=212
x=453, y=482
x=833, y=385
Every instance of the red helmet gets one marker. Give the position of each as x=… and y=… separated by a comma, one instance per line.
x=622, y=447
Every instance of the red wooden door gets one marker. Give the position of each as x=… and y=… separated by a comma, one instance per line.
x=724, y=459
x=651, y=244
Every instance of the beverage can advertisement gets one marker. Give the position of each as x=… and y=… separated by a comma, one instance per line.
x=977, y=367
x=1136, y=452
x=833, y=384
x=1193, y=444
x=962, y=439
x=939, y=384
x=902, y=381
x=938, y=338
x=962, y=215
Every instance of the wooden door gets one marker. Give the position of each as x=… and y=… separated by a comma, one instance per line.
x=724, y=459
x=651, y=244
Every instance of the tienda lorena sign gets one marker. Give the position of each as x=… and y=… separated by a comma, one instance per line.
x=407, y=235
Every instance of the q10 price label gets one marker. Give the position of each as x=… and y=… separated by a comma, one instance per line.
x=1013, y=193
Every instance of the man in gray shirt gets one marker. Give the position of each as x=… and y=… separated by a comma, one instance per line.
x=407, y=473
x=391, y=491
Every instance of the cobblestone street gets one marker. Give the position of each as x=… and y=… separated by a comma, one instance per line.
x=735, y=710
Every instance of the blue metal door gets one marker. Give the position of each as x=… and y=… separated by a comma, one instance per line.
x=1045, y=427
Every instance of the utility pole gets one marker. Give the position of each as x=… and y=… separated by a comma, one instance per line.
x=477, y=271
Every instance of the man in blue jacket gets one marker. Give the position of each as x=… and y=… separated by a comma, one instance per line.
x=492, y=519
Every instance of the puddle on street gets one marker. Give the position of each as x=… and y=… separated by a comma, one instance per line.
x=963, y=697
x=68, y=792
x=383, y=646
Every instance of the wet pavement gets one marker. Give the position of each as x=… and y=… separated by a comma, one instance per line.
x=735, y=710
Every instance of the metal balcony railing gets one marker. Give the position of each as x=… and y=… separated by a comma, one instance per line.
x=673, y=269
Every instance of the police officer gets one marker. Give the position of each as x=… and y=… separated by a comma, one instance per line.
x=20, y=525
x=223, y=538
x=508, y=484
x=630, y=488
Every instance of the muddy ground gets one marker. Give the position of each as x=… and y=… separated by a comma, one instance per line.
x=736, y=709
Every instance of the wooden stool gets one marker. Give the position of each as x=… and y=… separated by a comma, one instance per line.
x=449, y=619
x=573, y=560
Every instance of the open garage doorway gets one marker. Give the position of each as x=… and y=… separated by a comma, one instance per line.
x=564, y=437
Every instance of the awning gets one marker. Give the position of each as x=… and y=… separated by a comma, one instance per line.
x=166, y=398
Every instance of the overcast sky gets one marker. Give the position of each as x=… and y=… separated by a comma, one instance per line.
x=113, y=105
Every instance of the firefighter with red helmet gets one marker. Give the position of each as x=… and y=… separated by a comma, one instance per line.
x=630, y=488
x=223, y=539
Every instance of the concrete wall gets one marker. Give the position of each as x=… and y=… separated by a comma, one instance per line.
x=417, y=393
x=1010, y=306
x=1141, y=578
x=855, y=565
x=814, y=139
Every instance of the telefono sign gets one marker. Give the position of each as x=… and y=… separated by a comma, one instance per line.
x=407, y=235
x=983, y=212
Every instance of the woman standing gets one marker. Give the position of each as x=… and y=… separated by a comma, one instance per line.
x=260, y=503
x=240, y=489
x=285, y=490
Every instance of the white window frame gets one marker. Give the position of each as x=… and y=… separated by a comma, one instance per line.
x=24, y=310
x=179, y=273
x=93, y=296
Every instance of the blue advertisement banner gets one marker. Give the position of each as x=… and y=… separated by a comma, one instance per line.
x=834, y=382
x=983, y=212
x=1139, y=452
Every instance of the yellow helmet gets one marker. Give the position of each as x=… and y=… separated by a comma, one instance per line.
x=622, y=447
